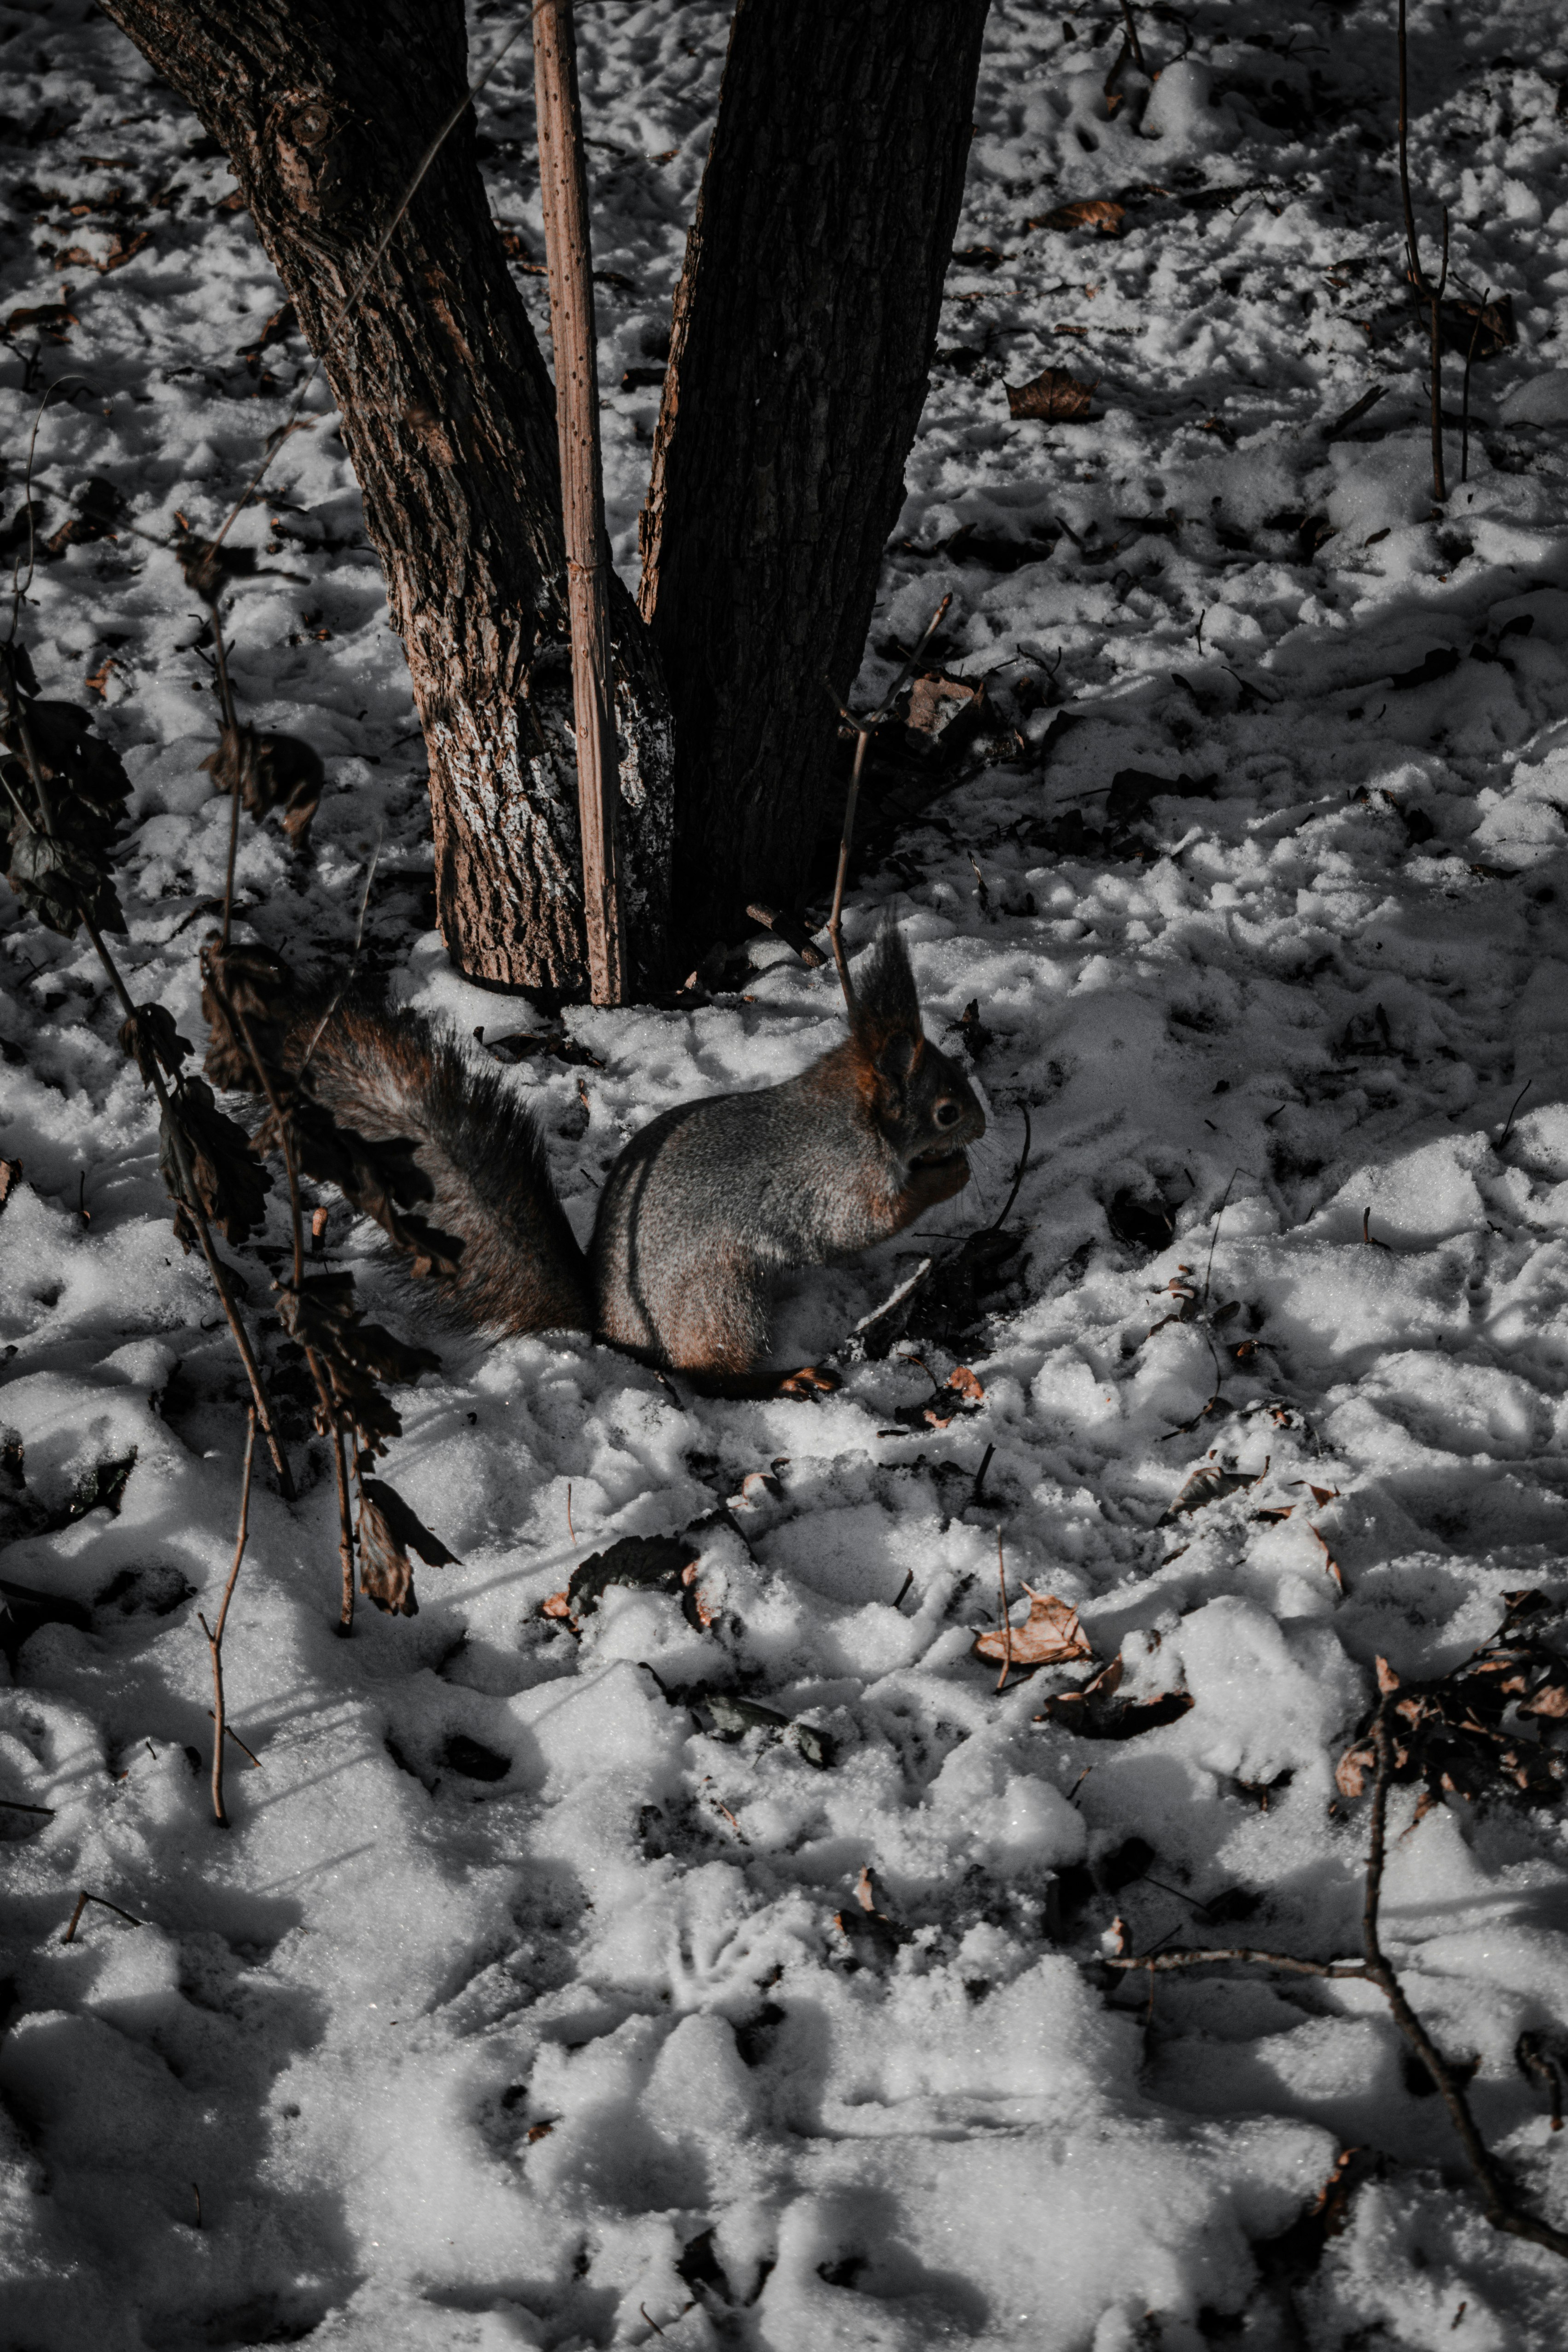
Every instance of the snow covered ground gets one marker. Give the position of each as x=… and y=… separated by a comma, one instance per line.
x=515, y=2008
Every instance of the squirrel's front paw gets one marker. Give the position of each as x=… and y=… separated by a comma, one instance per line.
x=811, y=1380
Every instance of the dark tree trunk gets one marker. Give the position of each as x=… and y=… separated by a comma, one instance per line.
x=803, y=328
x=326, y=109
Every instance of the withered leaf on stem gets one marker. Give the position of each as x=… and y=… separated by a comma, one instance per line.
x=281, y=771
x=230, y=1186
x=209, y=567
x=248, y=985
x=1051, y=1637
x=323, y=1315
x=1061, y=398
x=372, y=1176
x=387, y=1530
x=58, y=854
x=1453, y=1733
x=150, y=1039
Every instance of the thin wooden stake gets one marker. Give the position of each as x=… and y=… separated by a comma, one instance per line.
x=864, y=728
x=563, y=189
x=835, y=921
x=1464, y=402
x=214, y=1634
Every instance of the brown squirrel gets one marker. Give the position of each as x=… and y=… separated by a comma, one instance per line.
x=704, y=1208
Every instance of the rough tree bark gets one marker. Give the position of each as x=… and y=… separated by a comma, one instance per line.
x=802, y=335
x=326, y=109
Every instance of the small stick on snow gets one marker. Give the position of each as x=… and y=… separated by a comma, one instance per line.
x=83, y=1899
x=230, y=1733
x=977, y=1495
x=1501, y=1144
x=1464, y=402
x=1006, y=1621
x=215, y=1638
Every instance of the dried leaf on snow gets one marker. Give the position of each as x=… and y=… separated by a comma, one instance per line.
x=1096, y=1712
x=660, y=1563
x=1051, y=1636
x=1061, y=398
x=1090, y=212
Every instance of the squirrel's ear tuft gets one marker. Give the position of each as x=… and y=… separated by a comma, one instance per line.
x=885, y=1002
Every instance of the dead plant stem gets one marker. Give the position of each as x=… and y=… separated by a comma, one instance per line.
x=1006, y=1621
x=328, y=1417
x=1465, y=401
x=214, y=1634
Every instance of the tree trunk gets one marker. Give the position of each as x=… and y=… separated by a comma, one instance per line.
x=803, y=328
x=326, y=109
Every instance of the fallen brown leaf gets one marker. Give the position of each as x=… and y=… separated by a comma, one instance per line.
x=51, y=319
x=1050, y=1637
x=1053, y=394
x=1091, y=212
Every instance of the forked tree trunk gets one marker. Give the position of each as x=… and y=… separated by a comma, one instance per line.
x=326, y=109
x=803, y=335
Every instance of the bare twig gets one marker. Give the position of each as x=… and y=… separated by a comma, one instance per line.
x=977, y=1492
x=214, y=1634
x=1464, y=402
x=1498, y=2199
x=864, y=728
x=190, y=1197
x=1501, y=1143
x=10, y=1805
x=792, y=930
x=1214, y=1242
x=835, y=921
x=1006, y=1621
x=1157, y=1963
x=1018, y=1173
x=230, y=1733
x=347, y=981
x=1133, y=43
x=329, y=1420
x=1422, y=287
x=239, y=763
x=83, y=1899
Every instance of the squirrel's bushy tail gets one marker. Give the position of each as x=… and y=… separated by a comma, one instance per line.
x=399, y=1074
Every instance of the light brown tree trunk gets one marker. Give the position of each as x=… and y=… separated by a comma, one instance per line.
x=326, y=107
x=803, y=328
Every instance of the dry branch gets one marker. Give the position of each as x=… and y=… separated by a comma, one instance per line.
x=1498, y=2200
x=214, y=1634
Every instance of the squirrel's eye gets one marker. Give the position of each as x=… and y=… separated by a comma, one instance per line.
x=947, y=1112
